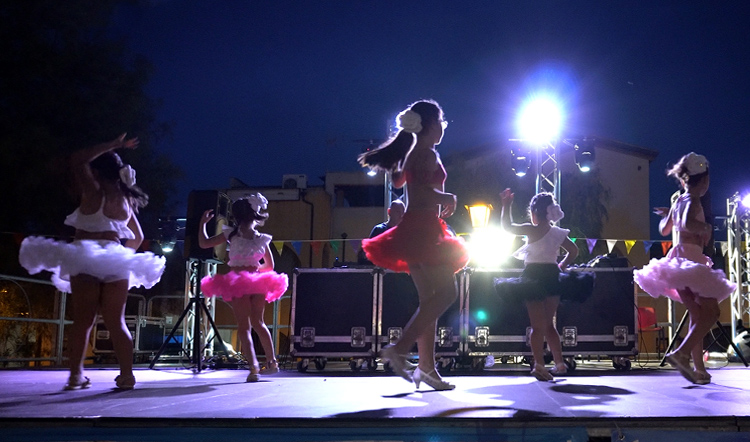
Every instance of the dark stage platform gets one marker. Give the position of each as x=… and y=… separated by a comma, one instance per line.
x=504, y=403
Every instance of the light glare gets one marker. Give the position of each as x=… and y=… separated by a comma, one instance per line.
x=540, y=120
x=746, y=200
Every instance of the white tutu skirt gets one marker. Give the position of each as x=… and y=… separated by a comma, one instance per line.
x=107, y=261
x=684, y=267
x=244, y=283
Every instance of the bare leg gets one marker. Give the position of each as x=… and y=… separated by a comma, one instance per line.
x=257, y=312
x=241, y=308
x=85, y=304
x=437, y=290
x=550, y=332
x=113, y=300
x=703, y=315
x=538, y=319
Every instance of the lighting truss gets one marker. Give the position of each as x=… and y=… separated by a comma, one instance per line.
x=738, y=254
x=548, y=173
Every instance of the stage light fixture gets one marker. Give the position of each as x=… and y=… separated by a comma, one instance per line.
x=372, y=172
x=585, y=155
x=520, y=161
x=169, y=230
x=746, y=201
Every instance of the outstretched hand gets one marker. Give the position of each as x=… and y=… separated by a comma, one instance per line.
x=121, y=143
x=506, y=197
x=661, y=211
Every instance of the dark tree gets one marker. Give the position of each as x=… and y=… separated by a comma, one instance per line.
x=67, y=85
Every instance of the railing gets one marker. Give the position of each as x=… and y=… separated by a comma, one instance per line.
x=9, y=324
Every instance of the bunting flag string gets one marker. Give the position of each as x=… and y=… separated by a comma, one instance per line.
x=665, y=246
x=591, y=243
x=279, y=245
x=646, y=246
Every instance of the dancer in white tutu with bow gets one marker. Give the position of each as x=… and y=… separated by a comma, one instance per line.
x=685, y=274
x=251, y=282
x=96, y=268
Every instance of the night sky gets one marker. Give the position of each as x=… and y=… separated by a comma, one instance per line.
x=256, y=90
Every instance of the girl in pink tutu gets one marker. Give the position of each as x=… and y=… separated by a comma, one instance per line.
x=250, y=283
x=685, y=274
x=421, y=243
x=96, y=267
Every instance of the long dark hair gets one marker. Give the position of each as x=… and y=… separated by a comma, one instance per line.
x=389, y=154
x=243, y=212
x=107, y=166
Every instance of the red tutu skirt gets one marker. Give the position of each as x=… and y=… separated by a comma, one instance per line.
x=243, y=283
x=420, y=238
x=684, y=267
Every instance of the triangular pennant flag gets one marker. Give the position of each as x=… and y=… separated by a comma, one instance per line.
x=356, y=243
x=647, y=245
x=724, y=247
x=316, y=246
x=629, y=243
x=297, y=245
x=279, y=245
x=665, y=246
x=611, y=244
x=335, y=246
x=591, y=243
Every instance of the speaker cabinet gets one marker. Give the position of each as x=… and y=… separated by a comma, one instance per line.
x=198, y=202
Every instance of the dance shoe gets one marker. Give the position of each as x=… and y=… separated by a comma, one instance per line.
x=271, y=367
x=702, y=377
x=432, y=380
x=78, y=383
x=559, y=369
x=682, y=364
x=398, y=362
x=125, y=382
x=541, y=373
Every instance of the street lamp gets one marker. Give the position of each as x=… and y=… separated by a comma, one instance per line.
x=479, y=214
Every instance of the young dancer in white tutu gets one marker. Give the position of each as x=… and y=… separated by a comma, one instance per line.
x=96, y=267
x=539, y=286
x=685, y=274
x=250, y=283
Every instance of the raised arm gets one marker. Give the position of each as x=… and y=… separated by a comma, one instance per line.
x=79, y=161
x=506, y=221
x=204, y=241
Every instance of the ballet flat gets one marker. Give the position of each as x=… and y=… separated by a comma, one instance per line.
x=82, y=384
x=433, y=381
x=253, y=377
x=125, y=382
x=682, y=364
x=398, y=362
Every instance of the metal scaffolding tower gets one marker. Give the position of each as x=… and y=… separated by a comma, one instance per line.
x=548, y=174
x=738, y=256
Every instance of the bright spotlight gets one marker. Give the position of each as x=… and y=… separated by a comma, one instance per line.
x=585, y=155
x=540, y=120
x=372, y=172
x=490, y=247
x=746, y=200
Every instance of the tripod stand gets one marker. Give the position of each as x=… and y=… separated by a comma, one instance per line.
x=721, y=330
x=197, y=305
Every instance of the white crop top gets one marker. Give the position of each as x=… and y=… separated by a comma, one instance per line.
x=245, y=252
x=544, y=250
x=99, y=222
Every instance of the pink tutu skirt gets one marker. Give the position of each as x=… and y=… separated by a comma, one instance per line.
x=684, y=267
x=243, y=283
x=107, y=261
x=420, y=238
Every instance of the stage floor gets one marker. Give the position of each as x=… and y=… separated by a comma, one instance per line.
x=337, y=404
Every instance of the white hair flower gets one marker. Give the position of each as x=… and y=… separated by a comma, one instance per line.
x=127, y=175
x=555, y=213
x=410, y=121
x=257, y=201
x=695, y=164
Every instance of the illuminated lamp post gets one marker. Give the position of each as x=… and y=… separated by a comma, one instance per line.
x=480, y=215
